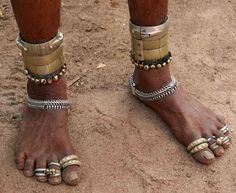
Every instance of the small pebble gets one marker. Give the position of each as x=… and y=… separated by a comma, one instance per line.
x=17, y=116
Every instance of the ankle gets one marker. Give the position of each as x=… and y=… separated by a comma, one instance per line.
x=56, y=90
x=152, y=79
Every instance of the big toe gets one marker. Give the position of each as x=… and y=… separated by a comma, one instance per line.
x=204, y=156
x=71, y=175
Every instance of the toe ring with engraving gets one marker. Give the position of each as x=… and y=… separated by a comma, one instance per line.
x=43, y=172
x=53, y=172
x=69, y=161
x=199, y=148
x=195, y=143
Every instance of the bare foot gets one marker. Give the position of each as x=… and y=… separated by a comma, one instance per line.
x=44, y=136
x=187, y=118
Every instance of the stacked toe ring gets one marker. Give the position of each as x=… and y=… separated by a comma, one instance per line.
x=47, y=172
x=197, y=145
x=69, y=161
x=225, y=129
x=224, y=140
x=54, y=172
x=40, y=172
x=213, y=145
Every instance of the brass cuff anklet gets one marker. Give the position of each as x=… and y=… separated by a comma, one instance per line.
x=40, y=49
x=44, y=63
x=149, y=46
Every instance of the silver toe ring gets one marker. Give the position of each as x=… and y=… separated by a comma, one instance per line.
x=40, y=172
x=43, y=172
x=224, y=129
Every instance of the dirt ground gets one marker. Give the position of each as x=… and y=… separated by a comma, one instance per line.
x=124, y=146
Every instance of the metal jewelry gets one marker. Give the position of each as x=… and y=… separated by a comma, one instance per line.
x=213, y=146
x=44, y=62
x=40, y=172
x=70, y=163
x=149, y=46
x=153, y=64
x=46, y=79
x=70, y=160
x=47, y=104
x=51, y=172
x=226, y=140
x=219, y=140
x=155, y=95
x=224, y=129
x=199, y=148
x=54, y=164
x=195, y=143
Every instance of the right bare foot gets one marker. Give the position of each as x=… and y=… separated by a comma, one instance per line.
x=188, y=119
x=44, y=137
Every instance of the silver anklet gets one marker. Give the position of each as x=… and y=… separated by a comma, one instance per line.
x=47, y=104
x=155, y=95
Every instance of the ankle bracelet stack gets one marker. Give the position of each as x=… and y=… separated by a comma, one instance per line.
x=44, y=63
x=47, y=104
x=154, y=95
x=149, y=48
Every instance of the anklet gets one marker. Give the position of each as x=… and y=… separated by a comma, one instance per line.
x=44, y=63
x=47, y=104
x=152, y=64
x=46, y=79
x=154, y=95
x=149, y=48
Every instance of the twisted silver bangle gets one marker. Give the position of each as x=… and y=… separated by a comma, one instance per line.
x=47, y=104
x=155, y=95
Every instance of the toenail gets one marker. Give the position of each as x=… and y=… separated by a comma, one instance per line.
x=220, y=151
x=73, y=176
x=55, y=181
x=42, y=179
x=207, y=155
x=226, y=146
x=28, y=173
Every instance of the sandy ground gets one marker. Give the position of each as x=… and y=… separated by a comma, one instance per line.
x=123, y=145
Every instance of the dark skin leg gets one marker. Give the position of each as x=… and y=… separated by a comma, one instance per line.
x=42, y=140
x=187, y=118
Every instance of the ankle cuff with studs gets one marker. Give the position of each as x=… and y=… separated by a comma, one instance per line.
x=44, y=63
x=149, y=46
x=46, y=79
x=152, y=64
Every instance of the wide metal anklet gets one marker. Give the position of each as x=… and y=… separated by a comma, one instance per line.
x=47, y=104
x=149, y=46
x=44, y=62
x=154, y=95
